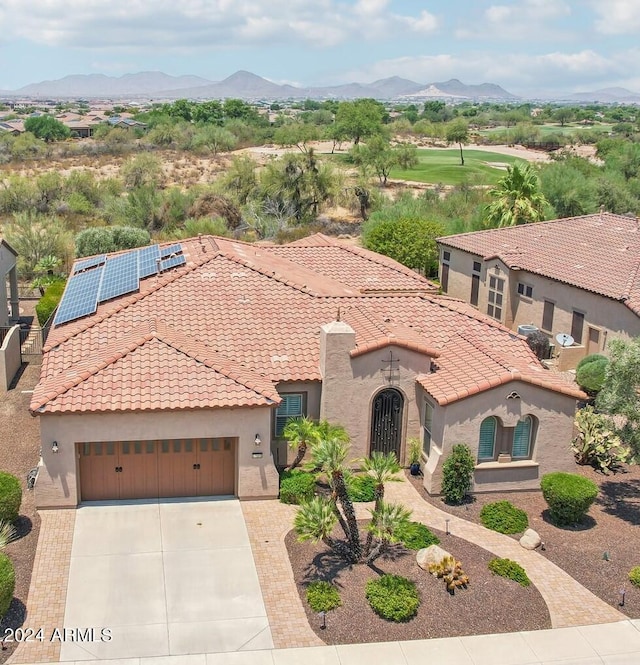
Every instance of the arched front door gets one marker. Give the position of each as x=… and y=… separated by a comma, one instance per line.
x=386, y=421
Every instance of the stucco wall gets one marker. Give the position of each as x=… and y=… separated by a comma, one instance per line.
x=7, y=263
x=58, y=485
x=611, y=317
x=351, y=384
x=460, y=423
x=10, y=358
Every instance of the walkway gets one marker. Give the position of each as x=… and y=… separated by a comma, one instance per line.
x=569, y=603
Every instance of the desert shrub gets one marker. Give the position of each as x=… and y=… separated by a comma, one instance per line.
x=393, y=597
x=590, y=376
x=568, y=496
x=596, y=442
x=634, y=576
x=509, y=569
x=79, y=204
x=504, y=517
x=594, y=357
x=322, y=596
x=296, y=487
x=10, y=497
x=415, y=536
x=539, y=343
x=361, y=488
x=7, y=583
x=451, y=572
x=105, y=239
x=457, y=474
x=49, y=301
x=7, y=533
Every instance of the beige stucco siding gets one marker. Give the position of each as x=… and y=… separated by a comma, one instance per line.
x=7, y=264
x=58, y=485
x=460, y=423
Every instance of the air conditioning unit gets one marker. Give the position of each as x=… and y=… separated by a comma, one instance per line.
x=527, y=329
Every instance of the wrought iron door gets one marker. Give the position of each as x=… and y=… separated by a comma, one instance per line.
x=386, y=421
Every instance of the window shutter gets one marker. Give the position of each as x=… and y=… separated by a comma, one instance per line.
x=290, y=407
x=522, y=438
x=487, y=438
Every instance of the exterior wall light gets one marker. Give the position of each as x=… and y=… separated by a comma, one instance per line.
x=257, y=441
x=54, y=447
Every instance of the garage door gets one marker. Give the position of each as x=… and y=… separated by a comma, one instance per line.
x=152, y=469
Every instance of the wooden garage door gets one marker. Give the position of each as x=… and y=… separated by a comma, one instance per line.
x=150, y=469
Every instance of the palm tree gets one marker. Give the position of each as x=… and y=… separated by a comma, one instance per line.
x=386, y=519
x=7, y=534
x=517, y=198
x=299, y=432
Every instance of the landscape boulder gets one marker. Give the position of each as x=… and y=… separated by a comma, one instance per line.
x=429, y=555
x=530, y=540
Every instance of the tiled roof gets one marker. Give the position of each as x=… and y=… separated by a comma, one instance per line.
x=237, y=319
x=599, y=253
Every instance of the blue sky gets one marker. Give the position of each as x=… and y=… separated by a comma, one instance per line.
x=527, y=46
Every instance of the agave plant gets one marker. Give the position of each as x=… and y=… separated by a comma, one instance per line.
x=7, y=534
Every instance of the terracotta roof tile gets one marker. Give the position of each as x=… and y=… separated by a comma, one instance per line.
x=237, y=319
x=599, y=253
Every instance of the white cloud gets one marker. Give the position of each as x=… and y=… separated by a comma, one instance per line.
x=167, y=24
x=617, y=17
x=520, y=73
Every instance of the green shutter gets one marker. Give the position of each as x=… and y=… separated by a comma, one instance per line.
x=487, y=439
x=522, y=438
x=290, y=407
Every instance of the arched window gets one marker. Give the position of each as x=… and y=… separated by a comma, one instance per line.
x=487, y=443
x=521, y=448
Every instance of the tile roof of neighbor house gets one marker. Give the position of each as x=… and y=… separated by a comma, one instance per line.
x=598, y=253
x=225, y=328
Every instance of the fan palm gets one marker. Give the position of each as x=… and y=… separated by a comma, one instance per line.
x=299, y=432
x=7, y=533
x=386, y=519
x=517, y=198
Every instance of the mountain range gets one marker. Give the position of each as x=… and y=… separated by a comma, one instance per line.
x=608, y=96
x=245, y=85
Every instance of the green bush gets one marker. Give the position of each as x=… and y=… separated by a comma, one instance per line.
x=568, y=496
x=457, y=474
x=634, y=576
x=361, y=488
x=509, y=569
x=323, y=596
x=7, y=583
x=594, y=357
x=504, y=517
x=393, y=597
x=297, y=487
x=415, y=536
x=10, y=497
x=590, y=376
x=49, y=301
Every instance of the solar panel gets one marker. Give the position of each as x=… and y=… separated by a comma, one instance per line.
x=172, y=262
x=168, y=251
x=147, y=261
x=80, y=297
x=89, y=263
x=120, y=276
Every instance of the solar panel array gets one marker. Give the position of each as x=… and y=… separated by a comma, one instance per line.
x=100, y=278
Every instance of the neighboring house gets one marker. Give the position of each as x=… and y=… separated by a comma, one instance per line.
x=125, y=122
x=578, y=276
x=13, y=127
x=9, y=299
x=174, y=374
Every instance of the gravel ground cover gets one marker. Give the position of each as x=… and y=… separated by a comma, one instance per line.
x=490, y=604
x=19, y=452
x=598, y=553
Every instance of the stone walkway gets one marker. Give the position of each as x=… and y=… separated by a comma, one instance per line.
x=48, y=588
x=569, y=603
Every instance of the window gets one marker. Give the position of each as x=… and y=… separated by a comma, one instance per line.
x=292, y=406
x=444, y=272
x=525, y=290
x=487, y=443
x=577, y=326
x=428, y=424
x=496, y=290
x=475, y=282
x=521, y=448
x=547, y=315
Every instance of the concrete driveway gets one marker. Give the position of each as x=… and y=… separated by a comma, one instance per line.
x=168, y=577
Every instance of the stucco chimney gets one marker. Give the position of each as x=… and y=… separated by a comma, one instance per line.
x=337, y=339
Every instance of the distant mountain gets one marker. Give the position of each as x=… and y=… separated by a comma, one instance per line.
x=608, y=95
x=248, y=86
x=99, y=85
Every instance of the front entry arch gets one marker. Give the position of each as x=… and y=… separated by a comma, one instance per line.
x=386, y=421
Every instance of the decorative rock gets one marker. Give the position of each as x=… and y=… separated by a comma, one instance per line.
x=428, y=555
x=530, y=540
